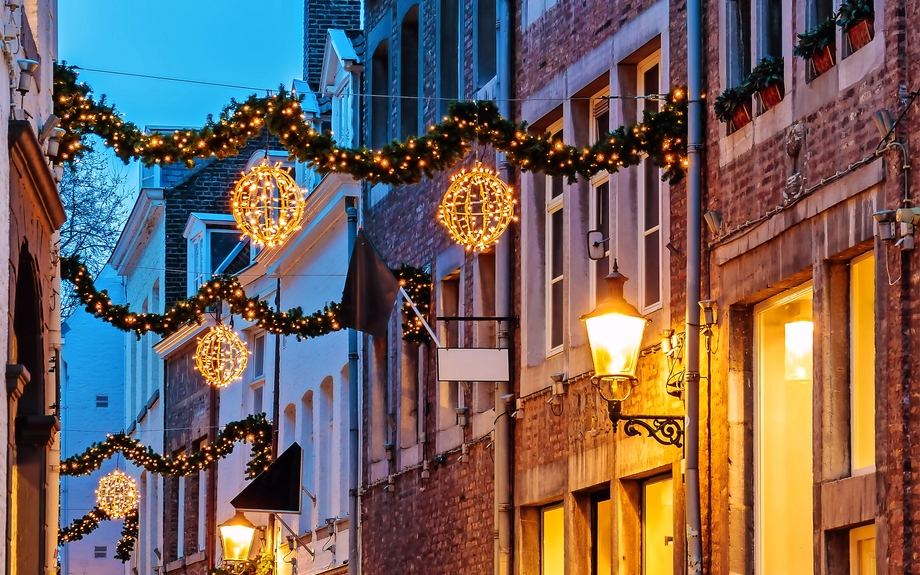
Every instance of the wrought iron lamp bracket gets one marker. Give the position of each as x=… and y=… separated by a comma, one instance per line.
x=665, y=429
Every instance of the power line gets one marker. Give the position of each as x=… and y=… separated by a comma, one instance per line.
x=170, y=79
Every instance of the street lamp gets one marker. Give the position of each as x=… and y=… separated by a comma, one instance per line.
x=236, y=537
x=615, y=329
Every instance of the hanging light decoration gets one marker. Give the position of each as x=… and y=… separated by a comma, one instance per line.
x=221, y=356
x=268, y=205
x=117, y=495
x=477, y=208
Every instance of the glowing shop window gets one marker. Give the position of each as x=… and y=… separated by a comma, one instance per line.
x=862, y=369
x=862, y=550
x=552, y=545
x=784, y=334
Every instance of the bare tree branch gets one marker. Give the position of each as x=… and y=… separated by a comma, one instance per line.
x=97, y=203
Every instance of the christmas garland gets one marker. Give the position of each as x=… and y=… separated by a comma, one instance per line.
x=128, y=537
x=661, y=135
x=83, y=526
x=254, y=430
x=228, y=289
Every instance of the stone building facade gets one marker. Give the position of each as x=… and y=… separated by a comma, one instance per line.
x=30, y=215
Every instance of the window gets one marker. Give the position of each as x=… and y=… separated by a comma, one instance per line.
x=748, y=20
x=102, y=400
x=601, y=534
x=533, y=9
x=862, y=550
x=484, y=56
x=862, y=368
x=408, y=406
x=325, y=496
x=258, y=392
x=554, y=263
x=380, y=96
x=649, y=82
x=783, y=336
x=180, y=517
x=449, y=71
x=208, y=247
x=409, y=74
x=380, y=397
x=600, y=193
x=658, y=526
x=258, y=356
x=449, y=297
x=552, y=539
x=307, y=441
x=202, y=501
x=100, y=551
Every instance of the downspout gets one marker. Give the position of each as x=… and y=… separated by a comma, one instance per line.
x=504, y=456
x=694, y=246
x=351, y=210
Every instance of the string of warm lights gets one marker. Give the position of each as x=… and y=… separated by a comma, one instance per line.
x=292, y=322
x=128, y=537
x=255, y=430
x=221, y=356
x=83, y=526
x=661, y=136
x=477, y=208
x=117, y=495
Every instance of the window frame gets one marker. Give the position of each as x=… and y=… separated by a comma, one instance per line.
x=646, y=64
x=784, y=297
x=554, y=205
x=599, y=105
x=854, y=358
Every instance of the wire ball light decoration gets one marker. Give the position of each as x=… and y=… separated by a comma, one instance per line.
x=117, y=495
x=221, y=356
x=268, y=205
x=477, y=208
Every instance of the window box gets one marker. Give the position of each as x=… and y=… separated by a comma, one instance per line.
x=817, y=45
x=766, y=79
x=855, y=18
x=734, y=105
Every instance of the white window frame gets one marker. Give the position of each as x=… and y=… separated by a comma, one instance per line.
x=645, y=307
x=554, y=205
x=599, y=104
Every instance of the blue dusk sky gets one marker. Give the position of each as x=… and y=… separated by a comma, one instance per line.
x=245, y=43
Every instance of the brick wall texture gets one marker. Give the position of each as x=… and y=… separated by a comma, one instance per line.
x=409, y=528
x=319, y=16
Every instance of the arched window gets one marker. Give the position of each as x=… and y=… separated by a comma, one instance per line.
x=409, y=74
x=380, y=92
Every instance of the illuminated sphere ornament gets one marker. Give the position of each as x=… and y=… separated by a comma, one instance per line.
x=477, y=208
x=268, y=205
x=221, y=356
x=117, y=495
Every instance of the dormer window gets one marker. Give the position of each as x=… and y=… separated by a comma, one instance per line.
x=212, y=240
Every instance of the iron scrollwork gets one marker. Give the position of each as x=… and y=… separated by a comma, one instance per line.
x=665, y=429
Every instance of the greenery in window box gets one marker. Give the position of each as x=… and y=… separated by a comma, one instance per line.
x=769, y=72
x=853, y=12
x=815, y=40
x=731, y=101
x=264, y=564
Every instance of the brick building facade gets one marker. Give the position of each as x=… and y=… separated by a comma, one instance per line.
x=794, y=192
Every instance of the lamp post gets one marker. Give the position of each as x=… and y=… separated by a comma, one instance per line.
x=236, y=537
x=615, y=329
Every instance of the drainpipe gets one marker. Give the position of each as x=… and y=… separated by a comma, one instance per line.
x=694, y=246
x=504, y=456
x=354, y=567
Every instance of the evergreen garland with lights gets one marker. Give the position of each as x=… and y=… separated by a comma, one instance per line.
x=294, y=322
x=128, y=537
x=255, y=430
x=661, y=135
x=82, y=526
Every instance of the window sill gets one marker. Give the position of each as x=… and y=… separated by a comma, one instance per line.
x=763, y=127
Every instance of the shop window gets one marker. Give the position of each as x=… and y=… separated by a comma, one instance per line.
x=862, y=550
x=862, y=368
x=658, y=526
x=552, y=539
x=601, y=534
x=783, y=336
